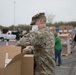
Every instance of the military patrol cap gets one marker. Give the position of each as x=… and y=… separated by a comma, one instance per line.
x=35, y=17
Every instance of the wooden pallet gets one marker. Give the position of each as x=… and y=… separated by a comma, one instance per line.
x=64, y=54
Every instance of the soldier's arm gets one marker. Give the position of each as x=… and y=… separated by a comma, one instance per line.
x=30, y=39
x=28, y=50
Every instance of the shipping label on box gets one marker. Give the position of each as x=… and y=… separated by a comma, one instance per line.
x=69, y=30
x=60, y=30
x=65, y=30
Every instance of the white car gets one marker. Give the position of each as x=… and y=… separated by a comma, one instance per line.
x=8, y=36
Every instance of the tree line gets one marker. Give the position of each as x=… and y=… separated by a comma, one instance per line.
x=28, y=27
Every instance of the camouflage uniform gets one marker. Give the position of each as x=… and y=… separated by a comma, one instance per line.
x=43, y=43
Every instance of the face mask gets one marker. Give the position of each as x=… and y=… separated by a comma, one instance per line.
x=34, y=28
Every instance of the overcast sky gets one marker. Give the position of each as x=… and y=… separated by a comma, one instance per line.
x=64, y=10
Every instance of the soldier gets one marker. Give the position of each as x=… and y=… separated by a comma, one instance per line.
x=42, y=42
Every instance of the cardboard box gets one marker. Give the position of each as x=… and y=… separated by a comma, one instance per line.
x=62, y=27
x=23, y=66
x=65, y=36
x=69, y=27
x=11, y=50
x=2, y=62
x=61, y=31
x=65, y=30
x=65, y=27
x=11, y=68
x=27, y=65
x=69, y=30
x=65, y=40
x=19, y=65
x=64, y=49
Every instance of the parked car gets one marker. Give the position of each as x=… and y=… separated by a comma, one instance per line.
x=8, y=36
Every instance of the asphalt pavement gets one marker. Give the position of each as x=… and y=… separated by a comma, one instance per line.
x=68, y=66
x=10, y=43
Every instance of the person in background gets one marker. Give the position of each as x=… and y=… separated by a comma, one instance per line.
x=43, y=42
x=17, y=35
x=74, y=39
x=58, y=49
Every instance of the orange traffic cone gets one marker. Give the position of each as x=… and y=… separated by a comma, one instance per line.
x=6, y=43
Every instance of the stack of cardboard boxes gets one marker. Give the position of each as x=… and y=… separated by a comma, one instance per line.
x=19, y=65
x=66, y=44
x=65, y=33
x=65, y=29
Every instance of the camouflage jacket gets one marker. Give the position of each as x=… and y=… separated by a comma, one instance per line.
x=43, y=43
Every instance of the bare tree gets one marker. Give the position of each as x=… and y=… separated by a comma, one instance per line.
x=50, y=17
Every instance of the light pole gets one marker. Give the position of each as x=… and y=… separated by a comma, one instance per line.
x=14, y=14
